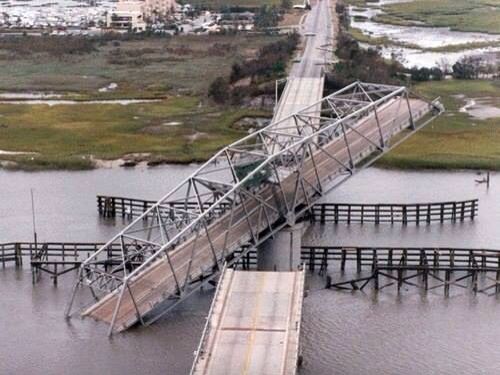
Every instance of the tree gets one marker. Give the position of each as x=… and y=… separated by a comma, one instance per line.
x=467, y=67
x=236, y=72
x=436, y=74
x=267, y=16
x=219, y=90
x=444, y=65
x=420, y=74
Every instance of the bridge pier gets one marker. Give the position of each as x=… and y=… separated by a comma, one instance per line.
x=282, y=253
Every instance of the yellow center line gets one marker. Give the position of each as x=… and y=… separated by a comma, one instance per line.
x=255, y=320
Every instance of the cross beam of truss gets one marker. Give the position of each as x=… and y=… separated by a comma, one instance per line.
x=243, y=195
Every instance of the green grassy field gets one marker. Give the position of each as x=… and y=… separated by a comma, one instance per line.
x=454, y=140
x=462, y=15
x=177, y=70
x=66, y=135
x=151, y=67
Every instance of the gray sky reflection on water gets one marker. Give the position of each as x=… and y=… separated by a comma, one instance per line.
x=362, y=333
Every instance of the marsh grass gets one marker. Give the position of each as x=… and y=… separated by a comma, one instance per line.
x=454, y=140
x=461, y=15
x=67, y=136
x=151, y=67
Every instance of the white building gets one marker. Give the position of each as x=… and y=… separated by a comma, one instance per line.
x=128, y=15
x=135, y=14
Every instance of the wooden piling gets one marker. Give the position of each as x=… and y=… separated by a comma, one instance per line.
x=375, y=278
x=358, y=260
x=447, y=277
x=343, y=260
x=312, y=259
x=400, y=278
x=497, y=284
x=18, y=256
x=474, y=281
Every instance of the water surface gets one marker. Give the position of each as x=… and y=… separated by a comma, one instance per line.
x=343, y=333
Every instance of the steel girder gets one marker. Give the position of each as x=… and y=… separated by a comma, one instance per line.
x=247, y=192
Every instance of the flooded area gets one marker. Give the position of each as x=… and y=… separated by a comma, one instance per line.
x=411, y=57
x=424, y=37
x=358, y=333
x=482, y=108
x=65, y=202
x=421, y=39
x=52, y=99
x=29, y=95
x=53, y=102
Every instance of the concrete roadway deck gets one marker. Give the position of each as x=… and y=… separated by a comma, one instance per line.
x=254, y=325
x=305, y=83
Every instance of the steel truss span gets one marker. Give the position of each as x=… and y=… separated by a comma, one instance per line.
x=243, y=195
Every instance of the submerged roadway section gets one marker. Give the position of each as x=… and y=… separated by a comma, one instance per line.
x=254, y=325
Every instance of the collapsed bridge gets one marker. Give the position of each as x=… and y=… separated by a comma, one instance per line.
x=243, y=195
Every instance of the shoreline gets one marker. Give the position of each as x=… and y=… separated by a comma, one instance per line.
x=440, y=147
x=414, y=165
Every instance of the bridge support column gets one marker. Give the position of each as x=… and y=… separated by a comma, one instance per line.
x=281, y=253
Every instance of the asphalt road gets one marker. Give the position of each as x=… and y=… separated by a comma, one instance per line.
x=306, y=79
x=254, y=325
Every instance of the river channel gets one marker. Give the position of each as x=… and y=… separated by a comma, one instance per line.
x=343, y=333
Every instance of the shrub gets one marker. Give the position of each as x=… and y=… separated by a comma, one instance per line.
x=467, y=68
x=271, y=60
x=219, y=90
x=267, y=16
x=54, y=45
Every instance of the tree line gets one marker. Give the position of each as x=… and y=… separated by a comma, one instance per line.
x=270, y=63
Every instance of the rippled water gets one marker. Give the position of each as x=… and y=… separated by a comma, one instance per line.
x=343, y=333
x=410, y=333
x=65, y=202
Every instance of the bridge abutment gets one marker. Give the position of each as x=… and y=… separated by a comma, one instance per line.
x=282, y=253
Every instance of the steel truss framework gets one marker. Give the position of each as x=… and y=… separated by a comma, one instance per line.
x=243, y=195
